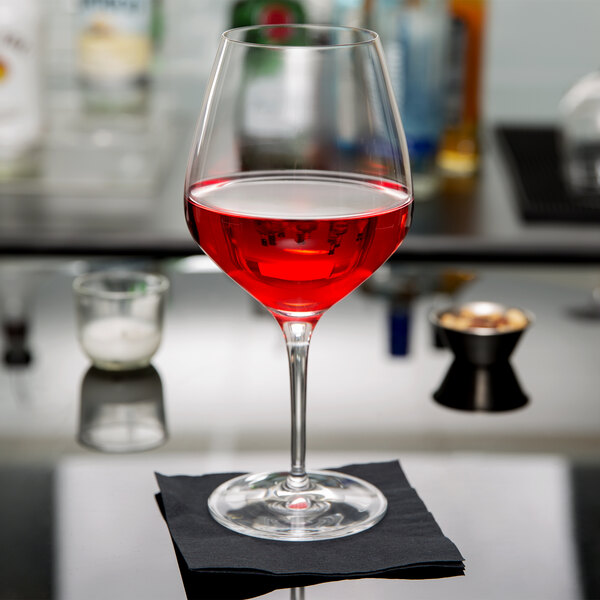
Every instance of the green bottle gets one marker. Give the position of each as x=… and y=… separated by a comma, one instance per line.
x=267, y=12
x=262, y=144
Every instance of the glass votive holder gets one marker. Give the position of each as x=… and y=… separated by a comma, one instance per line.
x=120, y=317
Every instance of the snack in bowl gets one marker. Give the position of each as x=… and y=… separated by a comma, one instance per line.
x=488, y=316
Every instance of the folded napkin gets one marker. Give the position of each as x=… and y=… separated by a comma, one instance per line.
x=218, y=563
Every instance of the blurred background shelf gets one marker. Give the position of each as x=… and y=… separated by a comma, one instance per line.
x=112, y=185
x=474, y=220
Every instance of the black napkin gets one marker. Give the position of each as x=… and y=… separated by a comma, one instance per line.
x=218, y=563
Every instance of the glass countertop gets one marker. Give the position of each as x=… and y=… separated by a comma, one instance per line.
x=516, y=490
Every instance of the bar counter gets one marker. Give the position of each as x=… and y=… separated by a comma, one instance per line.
x=517, y=491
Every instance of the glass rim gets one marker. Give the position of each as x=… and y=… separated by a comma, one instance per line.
x=370, y=36
x=156, y=284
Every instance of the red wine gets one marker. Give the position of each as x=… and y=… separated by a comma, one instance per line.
x=298, y=242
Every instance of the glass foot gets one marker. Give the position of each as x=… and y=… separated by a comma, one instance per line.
x=265, y=506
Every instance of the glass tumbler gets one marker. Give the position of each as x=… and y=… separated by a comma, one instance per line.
x=120, y=317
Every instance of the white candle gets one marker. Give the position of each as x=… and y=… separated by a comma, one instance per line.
x=120, y=339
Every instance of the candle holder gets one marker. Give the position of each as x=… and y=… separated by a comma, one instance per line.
x=120, y=317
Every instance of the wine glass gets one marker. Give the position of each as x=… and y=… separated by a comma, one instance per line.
x=298, y=187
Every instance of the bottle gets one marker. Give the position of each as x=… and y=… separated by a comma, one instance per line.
x=342, y=122
x=267, y=12
x=116, y=43
x=351, y=13
x=459, y=149
x=580, y=135
x=20, y=87
x=399, y=324
x=262, y=139
x=415, y=41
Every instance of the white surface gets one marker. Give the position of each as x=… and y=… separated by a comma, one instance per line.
x=509, y=516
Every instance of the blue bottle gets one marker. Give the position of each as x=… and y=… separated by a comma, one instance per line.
x=415, y=36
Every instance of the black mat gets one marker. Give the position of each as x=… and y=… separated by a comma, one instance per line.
x=532, y=155
x=218, y=563
x=585, y=510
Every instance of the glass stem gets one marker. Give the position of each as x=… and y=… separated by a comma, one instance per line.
x=297, y=337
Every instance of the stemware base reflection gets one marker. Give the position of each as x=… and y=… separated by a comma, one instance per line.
x=265, y=506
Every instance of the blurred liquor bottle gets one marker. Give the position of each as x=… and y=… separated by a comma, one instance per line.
x=352, y=13
x=263, y=140
x=267, y=12
x=414, y=34
x=116, y=46
x=345, y=124
x=459, y=149
x=20, y=87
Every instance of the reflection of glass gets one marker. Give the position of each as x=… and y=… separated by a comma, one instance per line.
x=119, y=317
x=301, y=234
x=122, y=411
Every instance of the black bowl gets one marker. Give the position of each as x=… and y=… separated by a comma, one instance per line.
x=481, y=377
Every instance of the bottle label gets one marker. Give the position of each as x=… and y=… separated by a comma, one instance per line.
x=20, y=113
x=115, y=41
x=275, y=14
x=279, y=106
x=350, y=13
